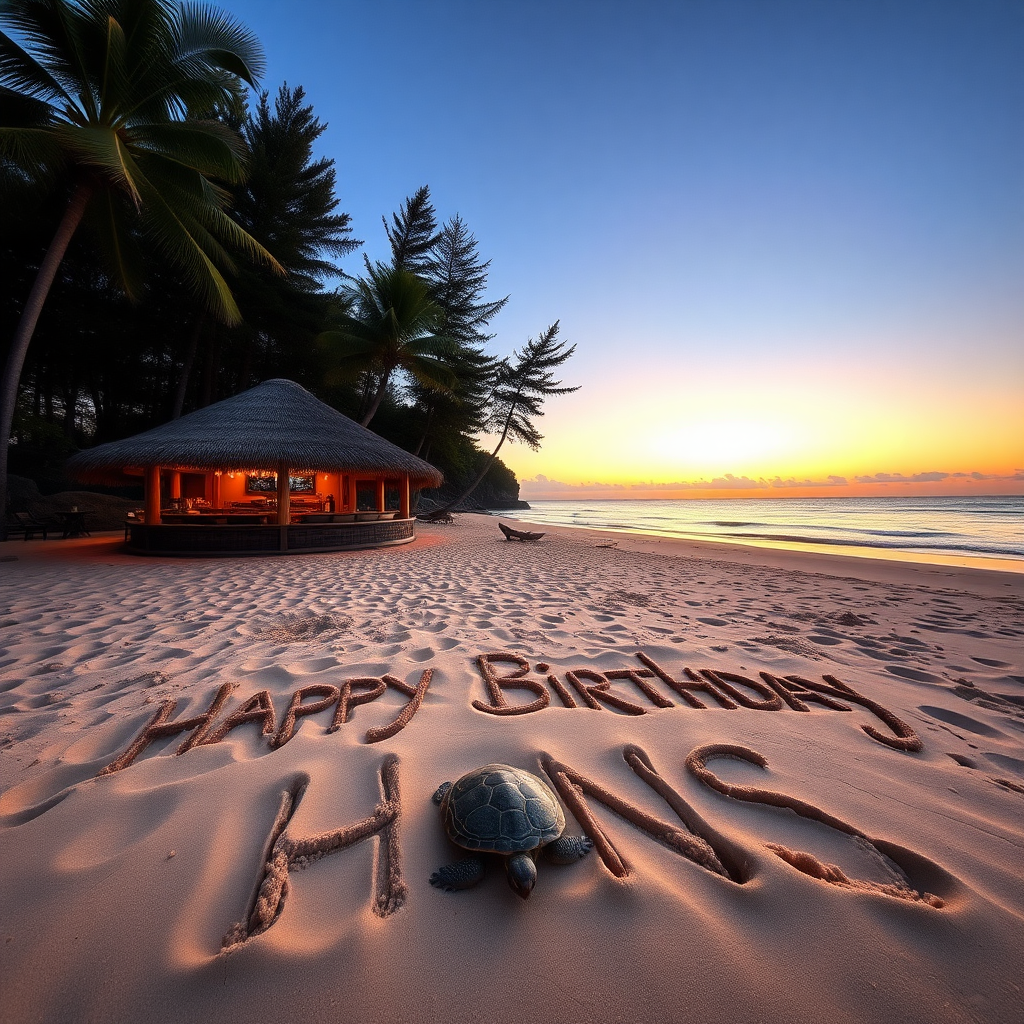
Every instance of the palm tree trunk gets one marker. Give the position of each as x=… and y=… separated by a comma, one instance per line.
x=27, y=326
x=426, y=431
x=209, y=371
x=377, y=398
x=487, y=465
x=186, y=368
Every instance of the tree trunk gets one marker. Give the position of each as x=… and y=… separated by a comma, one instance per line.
x=377, y=398
x=487, y=465
x=70, y=408
x=209, y=372
x=97, y=408
x=426, y=431
x=26, y=328
x=186, y=367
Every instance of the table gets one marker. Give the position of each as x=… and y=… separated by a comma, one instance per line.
x=72, y=523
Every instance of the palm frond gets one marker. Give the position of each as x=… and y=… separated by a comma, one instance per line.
x=34, y=151
x=112, y=227
x=208, y=147
x=24, y=74
x=101, y=147
x=208, y=40
x=114, y=82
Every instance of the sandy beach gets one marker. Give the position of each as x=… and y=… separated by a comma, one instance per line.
x=803, y=774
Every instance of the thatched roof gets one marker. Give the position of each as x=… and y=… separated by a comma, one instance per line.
x=275, y=422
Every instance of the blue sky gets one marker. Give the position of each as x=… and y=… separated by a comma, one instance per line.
x=787, y=238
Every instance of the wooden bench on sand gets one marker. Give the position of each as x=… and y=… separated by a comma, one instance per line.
x=511, y=534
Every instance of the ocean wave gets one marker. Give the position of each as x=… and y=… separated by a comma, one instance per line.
x=985, y=527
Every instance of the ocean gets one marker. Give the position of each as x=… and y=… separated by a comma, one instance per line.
x=957, y=530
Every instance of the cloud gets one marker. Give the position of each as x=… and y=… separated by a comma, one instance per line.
x=832, y=481
x=720, y=483
x=899, y=478
x=541, y=483
x=541, y=486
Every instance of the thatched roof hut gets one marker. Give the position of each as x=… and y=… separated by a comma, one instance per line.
x=222, y=465
x=275, y=423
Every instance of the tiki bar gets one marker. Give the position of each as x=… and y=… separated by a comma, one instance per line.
x=272, y=470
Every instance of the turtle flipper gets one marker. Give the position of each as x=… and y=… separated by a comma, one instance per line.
x=568, y=849
x=460, y=875
x=441, y=790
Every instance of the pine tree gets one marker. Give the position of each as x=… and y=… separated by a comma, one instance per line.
x=458, y=280
x=288, y=203
x=412, y=233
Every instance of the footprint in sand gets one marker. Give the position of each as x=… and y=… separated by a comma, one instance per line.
x=962, y=759
x=960, y=721
x=916, y=674
x=1011, y=764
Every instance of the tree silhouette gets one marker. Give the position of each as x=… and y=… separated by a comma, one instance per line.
x=393, y=326
x=521, y=386
x=101, y=101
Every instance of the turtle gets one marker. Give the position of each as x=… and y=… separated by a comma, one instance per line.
x=506, y=811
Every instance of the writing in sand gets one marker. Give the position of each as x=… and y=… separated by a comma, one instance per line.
x=694, y=839
x=503, y=671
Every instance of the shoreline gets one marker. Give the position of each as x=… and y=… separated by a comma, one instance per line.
x=1005, y=572
x=776, y=535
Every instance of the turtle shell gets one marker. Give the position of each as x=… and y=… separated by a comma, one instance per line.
x=500, y=809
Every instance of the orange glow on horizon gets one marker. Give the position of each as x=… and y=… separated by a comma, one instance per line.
x=785, y=432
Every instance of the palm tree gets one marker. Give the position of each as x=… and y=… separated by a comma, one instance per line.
x=104, y=98
x=520, y=387
x=394, y=326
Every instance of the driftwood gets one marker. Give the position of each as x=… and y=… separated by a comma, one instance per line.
x=511, y=534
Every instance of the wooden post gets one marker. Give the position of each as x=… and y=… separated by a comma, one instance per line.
x=283, y=496
x=403, y=498
x=215, y=501
x=380, y=495
x=175, y=484
x=152, y=495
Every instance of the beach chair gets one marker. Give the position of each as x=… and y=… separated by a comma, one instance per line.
x=30, y=525
x=522, y=535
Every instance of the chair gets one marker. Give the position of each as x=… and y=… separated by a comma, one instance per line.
x=31, y=525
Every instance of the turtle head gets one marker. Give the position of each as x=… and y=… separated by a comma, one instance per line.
x=522, y=874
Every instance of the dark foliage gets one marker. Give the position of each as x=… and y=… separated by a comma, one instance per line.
x=413, y=233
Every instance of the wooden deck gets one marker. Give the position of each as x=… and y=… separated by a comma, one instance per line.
x=210, y=539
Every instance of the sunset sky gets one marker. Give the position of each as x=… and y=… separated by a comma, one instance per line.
x=787, y=238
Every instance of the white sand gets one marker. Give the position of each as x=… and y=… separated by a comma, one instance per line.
x=117, y=891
